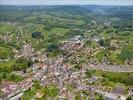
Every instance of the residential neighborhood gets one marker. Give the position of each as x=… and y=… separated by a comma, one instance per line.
x=66, y=52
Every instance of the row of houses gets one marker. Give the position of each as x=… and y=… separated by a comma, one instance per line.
x=10, y=89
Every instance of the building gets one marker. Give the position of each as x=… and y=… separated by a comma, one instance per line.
x=27, y=50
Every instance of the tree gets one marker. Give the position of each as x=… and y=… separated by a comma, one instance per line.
x=21, y=64
x=89, y=73
x=1, y=79
x=12, y=77
x=129, y=98
x=5, y=53
x=25, y=97
x=109, y=31
x=127, y=52
x=129, y=80
x=37, y=84
x=52, y=90
x=4, y=75
x=99, y=97
x=36, y=35
x=77, y=96
x=77, y=66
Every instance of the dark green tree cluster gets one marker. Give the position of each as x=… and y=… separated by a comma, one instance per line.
x=19, y=64
x=89, y=73
x=53, y=50
x=36, y=35
x=52, y=91
x=126, y=78
x=10, y=77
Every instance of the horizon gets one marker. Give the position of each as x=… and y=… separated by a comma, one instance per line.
x=68, y=2
x=72, y=5
x=67, y=5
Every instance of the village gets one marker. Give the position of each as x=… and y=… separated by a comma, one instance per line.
x=62, y=52
x=56, y=71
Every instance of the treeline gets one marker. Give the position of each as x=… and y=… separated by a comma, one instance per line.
x=126, y=78
x=19, y=64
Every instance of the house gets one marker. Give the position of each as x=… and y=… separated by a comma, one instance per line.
x=38, y=95
x=20, y=73
x=114, y=97
x=4, y=96
x=27, y=50
x=119, y=89
x=5, y=87
x=42, y=66
x=93, y=79
x=109, y=96
x=114, y=44
x=96, y=38
x=107, y=23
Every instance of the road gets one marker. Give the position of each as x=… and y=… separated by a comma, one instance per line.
x=112, y=68
x=17, y=97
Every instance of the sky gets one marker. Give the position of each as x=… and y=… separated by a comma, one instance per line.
x=66, y=2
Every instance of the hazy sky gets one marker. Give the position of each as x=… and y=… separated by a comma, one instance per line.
x=65, y=2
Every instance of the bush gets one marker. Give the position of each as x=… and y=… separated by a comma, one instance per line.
x=126, y=53
x=5, y=53
x=7, y=66
x=52, y=90
x=89, y=73
x=53, y=50
x=10, y=77
x=21, y=64
x=36, y=35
